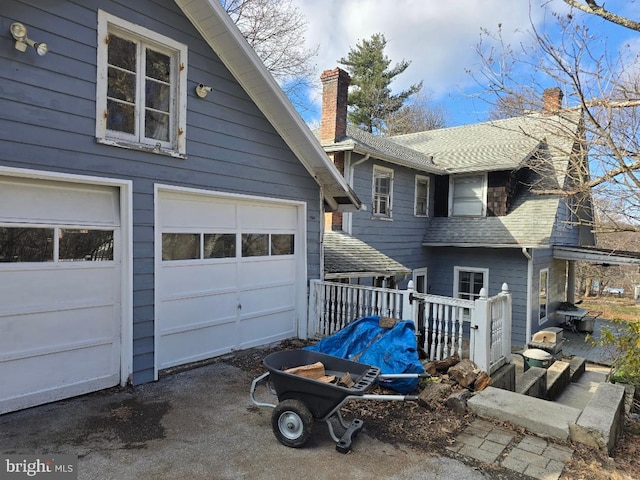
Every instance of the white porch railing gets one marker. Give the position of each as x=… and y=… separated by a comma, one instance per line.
x=445, y=325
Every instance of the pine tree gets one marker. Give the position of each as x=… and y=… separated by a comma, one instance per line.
x=371, y=100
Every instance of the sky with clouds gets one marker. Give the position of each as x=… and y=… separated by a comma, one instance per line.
x=439, y=38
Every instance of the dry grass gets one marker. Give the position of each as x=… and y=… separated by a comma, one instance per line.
x=613, y=307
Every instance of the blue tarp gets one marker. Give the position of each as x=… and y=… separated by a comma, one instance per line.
x=392, y=350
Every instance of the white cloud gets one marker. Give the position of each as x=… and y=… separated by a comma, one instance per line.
x=438, y=38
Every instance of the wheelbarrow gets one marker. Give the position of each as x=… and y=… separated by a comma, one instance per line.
x=302, y=400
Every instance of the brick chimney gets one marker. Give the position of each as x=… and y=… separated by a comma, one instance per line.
x=333, y=124
x=552, y=100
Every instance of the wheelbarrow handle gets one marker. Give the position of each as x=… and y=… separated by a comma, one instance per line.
x=256, y=382
x=391, y=376
x=388, y=398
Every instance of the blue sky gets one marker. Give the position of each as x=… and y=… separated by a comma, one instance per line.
x=439, y=38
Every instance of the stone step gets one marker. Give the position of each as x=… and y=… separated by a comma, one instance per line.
x=601, y=422
x=577, y=367
x=579, y=392
x=558, y=378
x=596, y=419
x=541, y=417
x=533, y=382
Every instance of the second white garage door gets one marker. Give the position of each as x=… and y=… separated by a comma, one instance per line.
x=229, y=274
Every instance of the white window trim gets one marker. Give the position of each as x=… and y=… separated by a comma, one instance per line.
x=542, y=320
x=420, y=272
x=384, y=171
x=484, y=193
x=456, y=278
x=177, y=146
x=415, y=196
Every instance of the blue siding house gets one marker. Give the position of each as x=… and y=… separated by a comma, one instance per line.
x=161, y=201
x=471, y=206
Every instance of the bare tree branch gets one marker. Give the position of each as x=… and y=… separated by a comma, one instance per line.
x=591, y=7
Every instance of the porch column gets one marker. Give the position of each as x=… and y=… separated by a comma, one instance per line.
x=571, y=281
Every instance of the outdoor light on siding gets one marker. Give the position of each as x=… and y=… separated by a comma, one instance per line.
x=19, y=33
x=202, y=90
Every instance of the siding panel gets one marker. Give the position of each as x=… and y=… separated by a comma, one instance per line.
x=47, y=123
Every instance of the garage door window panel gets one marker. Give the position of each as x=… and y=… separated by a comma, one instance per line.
x=282, y=244
x=19, y=244
x=219, y=245
x=255, y=244
x=180, y=246
x=85, y=245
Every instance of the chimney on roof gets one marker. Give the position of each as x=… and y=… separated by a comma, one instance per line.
x=552, y=100
x=333, y=124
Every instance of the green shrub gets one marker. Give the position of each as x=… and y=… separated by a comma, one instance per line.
x=622, y=342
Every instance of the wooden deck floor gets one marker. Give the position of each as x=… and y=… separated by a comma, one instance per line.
x=577, y=344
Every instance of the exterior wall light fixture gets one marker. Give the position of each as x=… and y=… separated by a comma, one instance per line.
x=202, y=90
x=19, y=33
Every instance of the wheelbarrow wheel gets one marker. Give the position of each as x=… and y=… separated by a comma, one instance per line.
x=292, y=423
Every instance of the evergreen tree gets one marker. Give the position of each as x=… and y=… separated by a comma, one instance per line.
x=371, y=100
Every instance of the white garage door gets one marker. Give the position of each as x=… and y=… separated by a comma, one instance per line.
x=227, y=275
x=59, y=291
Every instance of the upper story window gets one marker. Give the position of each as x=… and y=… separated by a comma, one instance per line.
x=467, y=195
x=141, y=88
x=382, y=191
x=421, y=203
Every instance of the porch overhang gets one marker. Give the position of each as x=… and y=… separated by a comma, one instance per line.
x=601, y=256
x=348, y=257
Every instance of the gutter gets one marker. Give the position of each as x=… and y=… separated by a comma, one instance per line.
x=529, y=258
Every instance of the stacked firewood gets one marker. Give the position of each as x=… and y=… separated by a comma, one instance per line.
x=452, y=383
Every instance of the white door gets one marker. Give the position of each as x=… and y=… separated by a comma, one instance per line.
x=59, y=291
x=229, y=273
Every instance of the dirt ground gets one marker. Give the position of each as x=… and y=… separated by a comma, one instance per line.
x=432, y=430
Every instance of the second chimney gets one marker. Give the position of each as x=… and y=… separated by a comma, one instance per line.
x=335, y=87
x=552, y=100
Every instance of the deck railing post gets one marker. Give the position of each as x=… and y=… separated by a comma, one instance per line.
x=506, y=322
x=313, y=312
x=407, y=305
x=481, y=323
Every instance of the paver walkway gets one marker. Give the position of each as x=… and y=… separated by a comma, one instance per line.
x=528, y=455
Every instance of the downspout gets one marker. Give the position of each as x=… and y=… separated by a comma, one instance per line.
x=349, y=179
x=527, y=255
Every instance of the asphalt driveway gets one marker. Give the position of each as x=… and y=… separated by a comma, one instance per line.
x=201, y=424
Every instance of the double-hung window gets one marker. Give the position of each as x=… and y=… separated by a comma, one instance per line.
x=141, y=88
x=468, y=281
x=421, y=203
x=468, y=196
x=382, y=192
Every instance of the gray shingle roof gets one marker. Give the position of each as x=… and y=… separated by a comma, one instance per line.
x=344, y=254
x=529, y=223
x=502, y=145
x=496, y=145
x=382, y=148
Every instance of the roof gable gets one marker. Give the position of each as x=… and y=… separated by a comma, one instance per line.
x=496, y=145
x=224, y=38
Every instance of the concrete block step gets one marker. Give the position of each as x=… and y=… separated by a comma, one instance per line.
x=577, y=367
x=558, y=378
x=541, y=417
x=602, y=421
x=533, y=382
